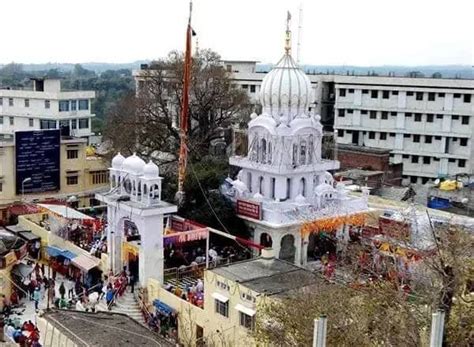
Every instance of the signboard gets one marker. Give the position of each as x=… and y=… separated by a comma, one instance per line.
x=185, y=236
x=184, y=224
x=249, y=209
x=37, y=155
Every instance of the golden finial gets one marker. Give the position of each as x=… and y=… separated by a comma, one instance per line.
x=288, y=34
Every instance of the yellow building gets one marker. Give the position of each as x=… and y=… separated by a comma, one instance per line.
x=232, y=294
x=82, y=174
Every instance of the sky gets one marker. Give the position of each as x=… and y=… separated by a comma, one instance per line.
x=334, y=32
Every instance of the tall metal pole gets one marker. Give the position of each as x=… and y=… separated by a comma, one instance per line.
x=319, y=332
x=437, y=329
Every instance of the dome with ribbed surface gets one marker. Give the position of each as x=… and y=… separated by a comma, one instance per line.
x=286, y=90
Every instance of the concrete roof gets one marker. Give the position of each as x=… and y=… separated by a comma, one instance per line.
x=268, y=276
x=103, y=329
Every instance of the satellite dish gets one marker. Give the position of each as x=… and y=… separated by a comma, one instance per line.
x=437, y=181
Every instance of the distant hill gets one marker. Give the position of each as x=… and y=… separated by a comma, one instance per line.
x=68, y=67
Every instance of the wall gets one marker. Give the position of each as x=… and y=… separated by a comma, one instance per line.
x=50, y=336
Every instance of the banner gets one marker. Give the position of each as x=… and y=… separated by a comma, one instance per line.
x=249, y=209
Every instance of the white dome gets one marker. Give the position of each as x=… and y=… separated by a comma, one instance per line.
x=151, y=170
x=134, y=165
x=117, y=161
x=286, y=90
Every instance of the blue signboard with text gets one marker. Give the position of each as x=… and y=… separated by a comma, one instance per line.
x=37, y=155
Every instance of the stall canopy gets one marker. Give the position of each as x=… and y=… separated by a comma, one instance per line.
x=22, y=270
x=85, y=262
x=65, y=211
x=56, y=252
x=162, y=307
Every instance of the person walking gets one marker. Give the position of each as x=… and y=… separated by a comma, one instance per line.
x=109, y=298
x=62, y=290
x=36, y=297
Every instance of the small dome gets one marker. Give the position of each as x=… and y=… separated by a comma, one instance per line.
x=134, y=165
x=286, y=90
x=151, y=170
x=117, y=161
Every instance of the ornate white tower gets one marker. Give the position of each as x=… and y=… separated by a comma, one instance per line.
x=135, y=214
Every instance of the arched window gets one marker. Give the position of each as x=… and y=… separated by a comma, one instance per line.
x=249, y=181
x=269, y=160
x=310, y=149
x=155, y=192
x=288, y=188
x=272, y=187
x=263, y=150
x=113, y=181
x=295, y=154
x=145, y=190
x=303, y=152
x=303, y=186
x=260, y=185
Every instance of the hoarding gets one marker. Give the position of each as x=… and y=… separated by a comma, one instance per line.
x=249, y=209
x=37, y=158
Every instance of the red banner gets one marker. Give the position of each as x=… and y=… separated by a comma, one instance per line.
x=249, y=209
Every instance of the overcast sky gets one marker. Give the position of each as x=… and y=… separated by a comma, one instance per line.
x=356, y=32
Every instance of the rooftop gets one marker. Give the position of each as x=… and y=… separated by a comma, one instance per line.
x=268, y=276
x=101, y=328
x=364, y=149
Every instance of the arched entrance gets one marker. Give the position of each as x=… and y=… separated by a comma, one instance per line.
x=130, y=248
x=266, y=240
x=320, y=244
x=287, y=248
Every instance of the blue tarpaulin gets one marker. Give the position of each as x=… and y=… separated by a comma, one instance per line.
x=56, y=252
x=162, y=307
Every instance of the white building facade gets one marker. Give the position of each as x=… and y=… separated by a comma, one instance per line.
x=283, y=172
x=46, y=106
x=427, y=123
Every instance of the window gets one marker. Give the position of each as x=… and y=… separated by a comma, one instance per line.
x=246, y=321
x=10, y=102
x=392, y=134
x=393, y=113
x=340, y=112
x=373, y=114
x=431, y=96
x=410, y=93
x=462, y=163
x=84, y=123
x=465, y=120
x=451, y=160
x=385, y=94
x=413, y=179
x=414, y=159
x=363, y=112
x=340, y=133
x=252, y=90
x=455, y=117
x=428, y=139
x=417, y=117
x=47, y=104
x=429, y=118
x=342, y=92
x=384, y=115
x=47, y=124
x=245, y=86
x=371, y=135
x=419, y=95
x=441, y=95
x=74, y=124
x=405, y=156
x=438, y=138
x=365, y=91
x=72, y=153
x=455, y=139
x=416, y=138
x=383, y=136
x=395, y=92
x=72, y=180
x=27, y=102
x=1, y=119
x=350, y=111
x=12, y=120
x=84, y=104
x=31, y=122
x=439, y=116
x=1, y=101
x=222, y=308
x=467, y=98
x=73, y=105
x=463, y=142
x=351, y=91
x=407, y=136
x=435, y=159
x=424, y=180
x=427, y=160
x=99, y=177
x=63, y=105
x=408, y=114
x=457, y=96
x=374, y=94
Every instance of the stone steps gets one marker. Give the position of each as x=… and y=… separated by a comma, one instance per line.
x=127, y=305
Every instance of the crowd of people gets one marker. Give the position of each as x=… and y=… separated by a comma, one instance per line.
x=26, y=334
x=191, y=293
x=164, y=324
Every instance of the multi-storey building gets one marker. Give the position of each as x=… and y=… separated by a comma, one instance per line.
x=427, y=123
x=46, y=106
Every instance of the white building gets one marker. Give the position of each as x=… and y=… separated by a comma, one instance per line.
x=46, y=106
x=428, y=123
x=283, y=175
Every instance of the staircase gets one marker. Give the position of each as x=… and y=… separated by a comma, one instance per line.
x=127, y=304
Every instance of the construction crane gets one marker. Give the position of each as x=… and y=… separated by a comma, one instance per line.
x=184, y=116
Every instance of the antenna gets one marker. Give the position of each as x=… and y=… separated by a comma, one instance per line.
x=300, y=29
